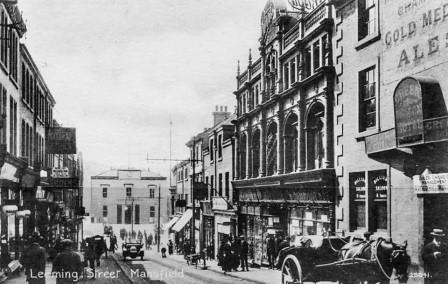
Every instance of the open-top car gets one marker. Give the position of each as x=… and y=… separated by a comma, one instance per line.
x=133, y=249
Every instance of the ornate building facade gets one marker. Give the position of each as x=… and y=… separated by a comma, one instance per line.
x=285, y=176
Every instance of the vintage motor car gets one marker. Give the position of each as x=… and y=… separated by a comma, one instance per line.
x=133, y=250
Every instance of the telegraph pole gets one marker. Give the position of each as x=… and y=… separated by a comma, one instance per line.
x=158, y=224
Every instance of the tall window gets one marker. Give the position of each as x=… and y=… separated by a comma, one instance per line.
x=137, y=214
x=368, y=200
x=128, y=214
x=286, y=75
x=219, y=146
x=227, y=184
x=220, y=184
x=366, y=18
x=3, y=115
x=256, y=95
x=119, y=212
x=151, y=192
x=104, y=210
x=212, y=184
x=4, y=36
x=13, y=51
x=307, y=63
x=128, y=191
x=316, y=55
x=13, y=126
x=212, y=150
x=104, y=192
x=152, y=214
x=367, y=99
x=292, y=71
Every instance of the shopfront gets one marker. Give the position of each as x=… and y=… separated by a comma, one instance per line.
x=208, y=228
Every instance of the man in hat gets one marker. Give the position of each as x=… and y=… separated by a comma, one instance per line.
x=435, y=256
x=67, y=265
x=244, y=253
x=33, y=259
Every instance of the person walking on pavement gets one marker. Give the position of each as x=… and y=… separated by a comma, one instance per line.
x=224, y=255
x=170, y=247
x=33, y=260
x=67, y=265
x=244, y=253
x=435, y=256
x=271, y=251
x=236, y=249
x=90, y=254
x=104, y=244
x=113, y=243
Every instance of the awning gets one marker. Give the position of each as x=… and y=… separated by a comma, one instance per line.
x=183, y=220
x=170, y=223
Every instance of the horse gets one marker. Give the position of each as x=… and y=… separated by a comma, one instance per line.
x=375, y=261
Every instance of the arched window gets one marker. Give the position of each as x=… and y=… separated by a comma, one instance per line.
x=243, y=143
x=271, y=150
x=255, y=147
x=314, y=137
x=291, y=151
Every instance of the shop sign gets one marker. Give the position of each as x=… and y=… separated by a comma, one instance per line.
x=382, y=141
x=224, y=229
x=304, y=195
x=40, y=193
x=207, y=208
x=431, y=183
x=64, y=182
x=415, y=36
x=408, y=112
x=436, y=129
x=220, y=219
x=61, y=140
x=219, y=203
x=60, y=173
x=8, y=172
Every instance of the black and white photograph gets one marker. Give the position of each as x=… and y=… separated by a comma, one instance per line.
x=224, y=141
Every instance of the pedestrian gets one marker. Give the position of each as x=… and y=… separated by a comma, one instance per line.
x=270, y=247
x=33, y=260
x=163, y=250
x=236, y=252
x=435, y=256
x=244, y=253
x=67, y=266
x=186, y=249
x=113, y=243
x=90, y=254
x=103, y=243
x=224, y=255
x=170, y=247
x=99, y=248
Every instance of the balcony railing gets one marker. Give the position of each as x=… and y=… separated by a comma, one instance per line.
x=316, y=16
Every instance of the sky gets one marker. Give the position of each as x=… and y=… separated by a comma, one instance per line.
x=120, y=69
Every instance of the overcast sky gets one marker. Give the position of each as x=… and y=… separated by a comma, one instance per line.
x=119, y=68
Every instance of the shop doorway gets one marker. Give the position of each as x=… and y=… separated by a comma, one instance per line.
x=435, y=214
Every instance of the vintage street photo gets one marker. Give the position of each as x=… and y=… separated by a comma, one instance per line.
x=224, y=141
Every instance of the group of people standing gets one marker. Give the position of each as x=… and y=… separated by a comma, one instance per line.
x=233, y=253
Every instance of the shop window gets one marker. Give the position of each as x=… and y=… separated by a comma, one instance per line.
x=104, y=210
x=367, y=99
x=309, y=221
x=368, y=201
x=378, y=185
x=119, y=212
x=366, y=18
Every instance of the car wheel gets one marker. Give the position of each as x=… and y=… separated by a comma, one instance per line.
x=291, y=271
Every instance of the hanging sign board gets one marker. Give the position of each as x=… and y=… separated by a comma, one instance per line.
x=61, y=140
x=432, y=183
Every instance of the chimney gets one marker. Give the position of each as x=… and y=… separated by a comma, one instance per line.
x=221, y=115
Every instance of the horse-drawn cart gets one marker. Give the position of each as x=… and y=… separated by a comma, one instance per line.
x=335, y=259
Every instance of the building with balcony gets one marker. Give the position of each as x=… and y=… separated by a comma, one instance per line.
x=391, y=121
x=284, y=168
x=130, y=199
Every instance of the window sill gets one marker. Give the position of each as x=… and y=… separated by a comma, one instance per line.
x=367, y=40
x=361, y=136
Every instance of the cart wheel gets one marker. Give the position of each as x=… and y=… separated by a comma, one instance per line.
x=291, y=271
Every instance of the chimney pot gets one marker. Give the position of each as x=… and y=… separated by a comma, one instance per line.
x=220, y=108
x=225, y=108
x=216, y=108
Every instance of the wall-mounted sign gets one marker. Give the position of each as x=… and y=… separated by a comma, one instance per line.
x=380, y=142
x=431, y=183
x=40, y=193
x=219, y=203
x=61, y=140
x=9, y=172
x=408, y=112
x=60, y=173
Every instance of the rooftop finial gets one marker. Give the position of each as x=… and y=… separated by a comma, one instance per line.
x=250, y=56
x=238, y=69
